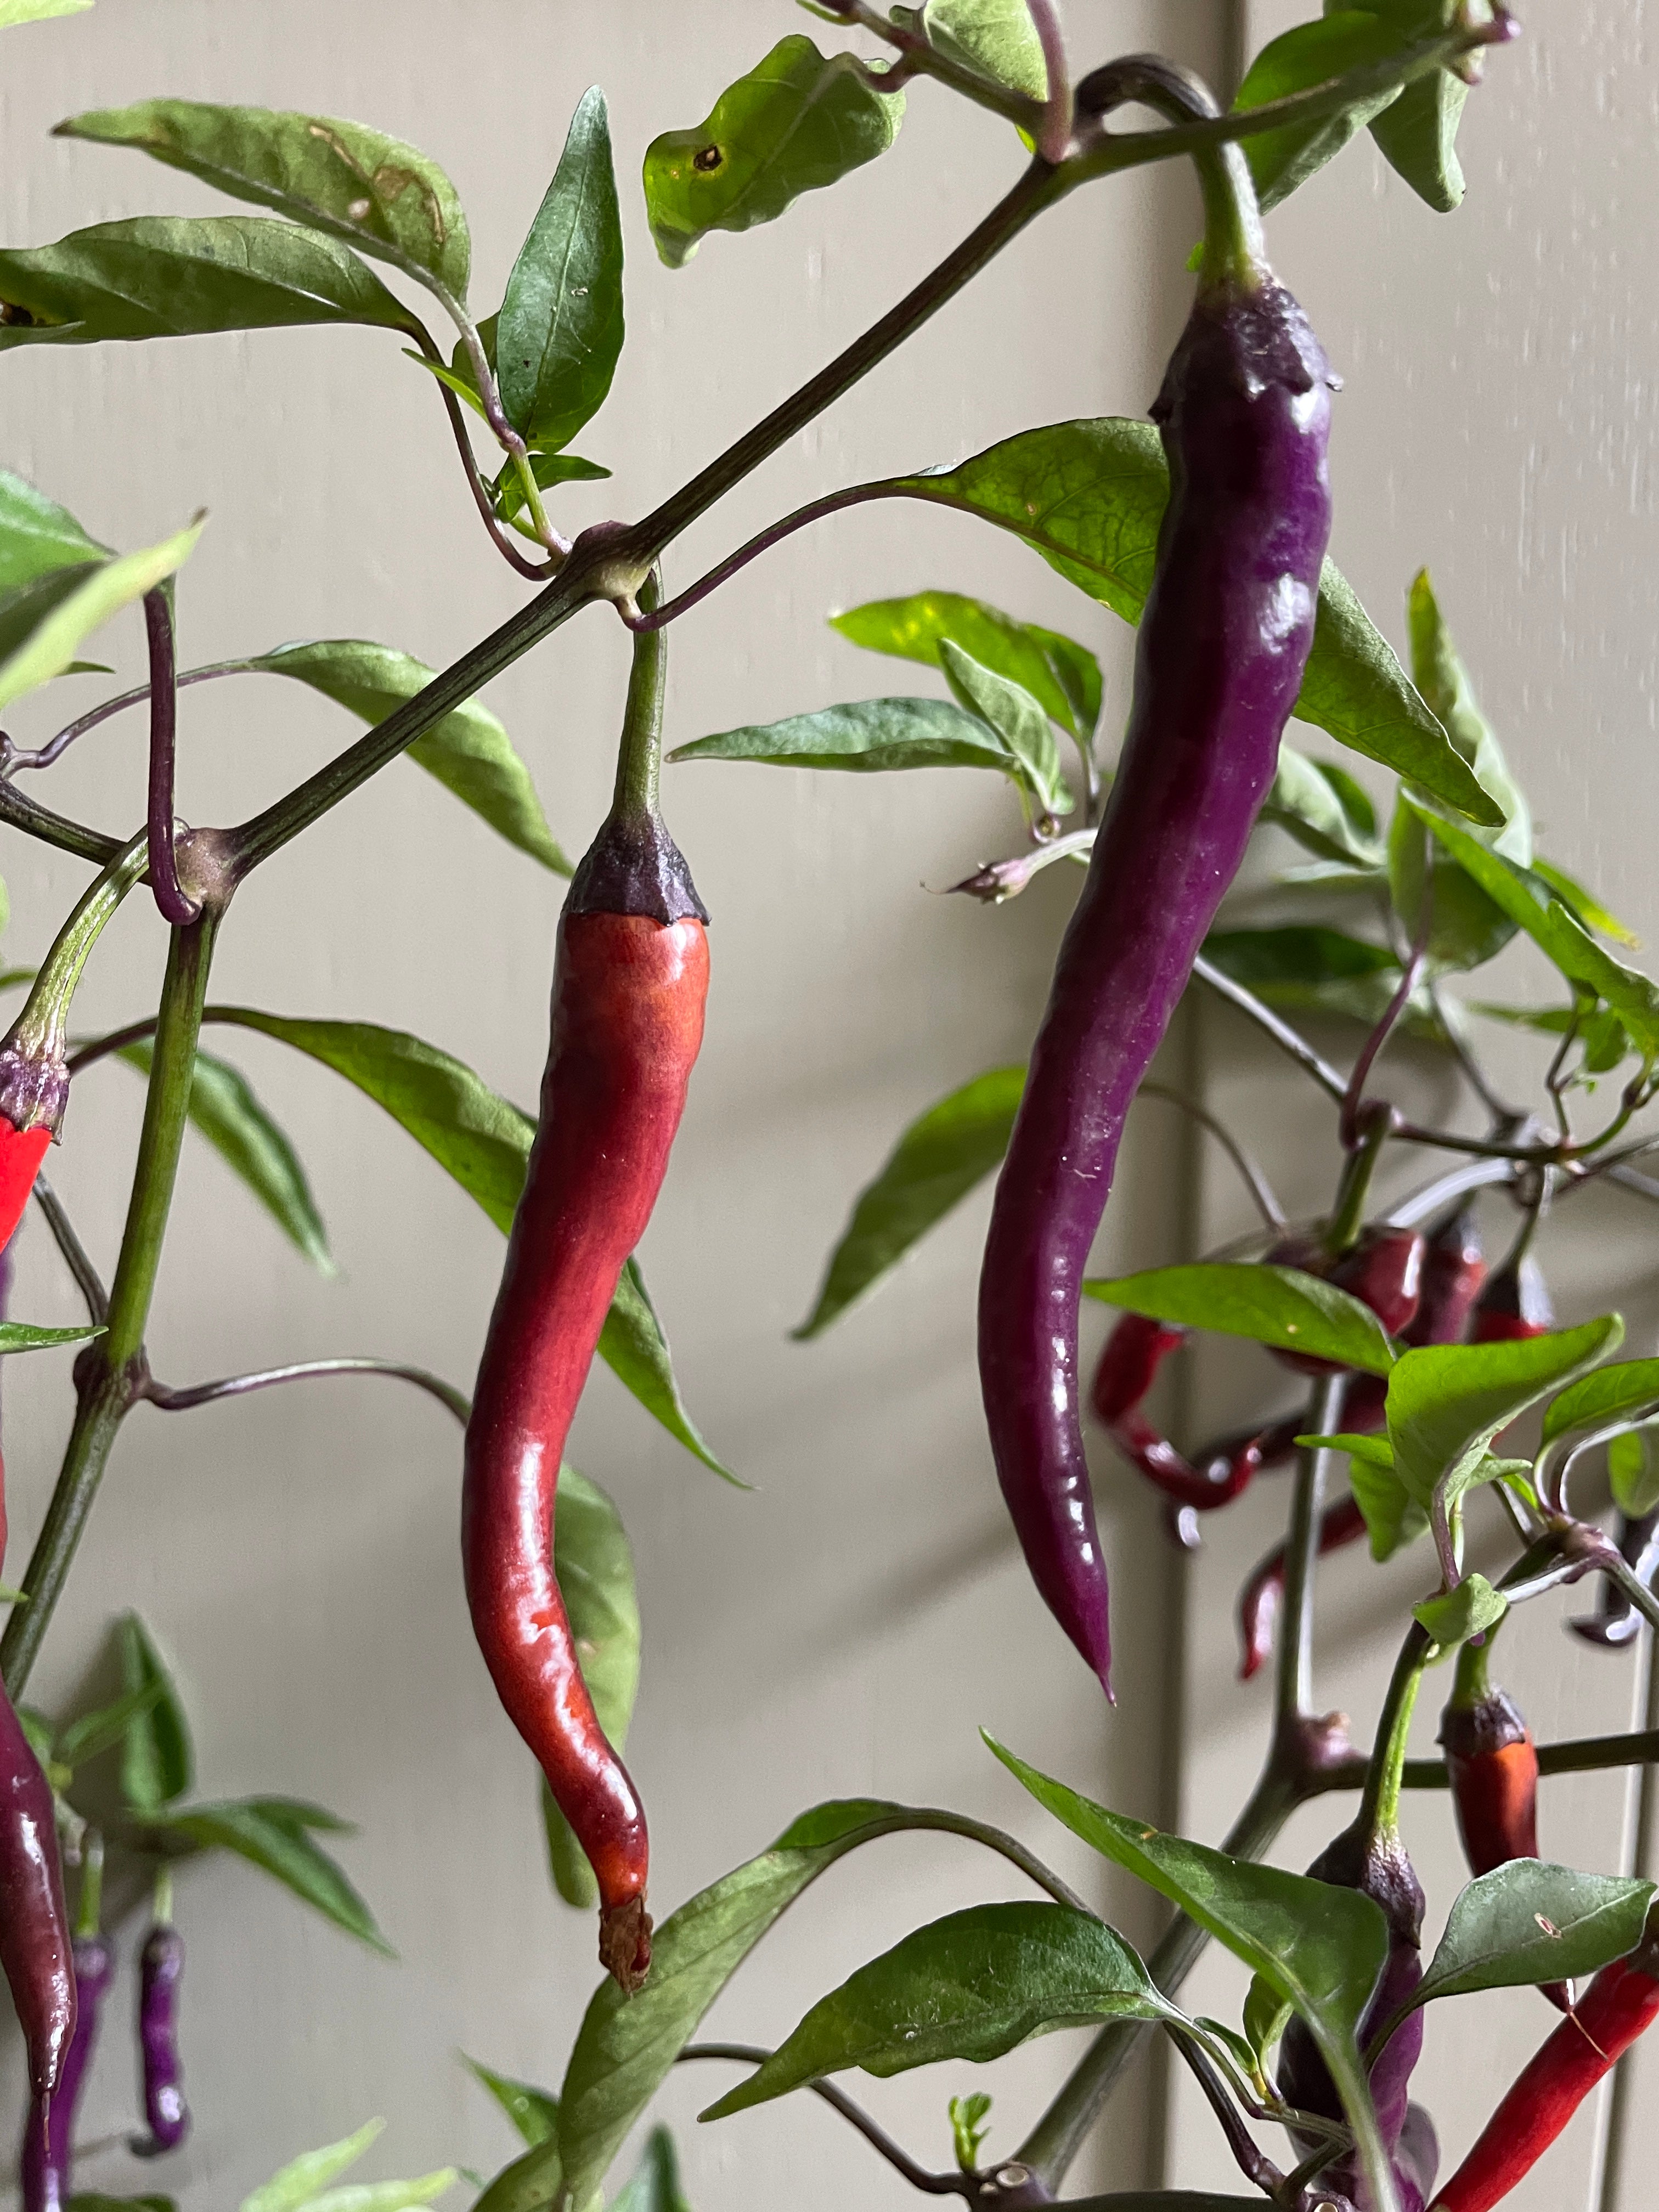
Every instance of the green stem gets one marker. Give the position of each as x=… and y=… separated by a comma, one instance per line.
x=1620, y=2103
x=110, y=1372
x=639, y=758
x=1053, y=2143
x=42, y=1028
x=89, y=1905
x=161, y=1908
x=1379, y=1804
x=1294, y=1696
x=1348, y=1216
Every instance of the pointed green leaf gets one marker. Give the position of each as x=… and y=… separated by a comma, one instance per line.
x=531, y=2183
x=863, y=735
x=37, y=537
x=1582, y=904
x=158, y=1760
x=1633, y=1470
x=997, y=37
x=940, y=1158
x=1062, y=676
x=377, y=194
x=312, y=2170
x=1303, y=964
x=506, y=491
x=972, y=1986
x=796, y=123
x=1610, y=1393
x=1528, y=1921
x=469, y=751
x=1469, y=1610
x=271, y=1833
x=97, y=1732
x=656, y=2184
x=1310, y=54
x=534, y=2112
x=174, y=276
x=595, y=1571
x=484, y=1142
x=85, y=2200
x=384, y=2196
x=1276, y=1306
x=26, y=1336
x=626, y=2046
x=560, y=331
x=225, y=1109
x=98, y=593
x=1089, y=496
x=36, y=11
x=1314, y=801
x=1446, y=1402
x=1320, y=1948
x=1418, y=137
x=1393, y=1518
x=1439, y=674
x=1017, y=720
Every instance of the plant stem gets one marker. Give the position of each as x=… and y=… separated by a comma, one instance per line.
x=109, y=1373
x=1287, y=1039
x=40, y=822
x=42, y=1026
x=1053, y=2144
x=1294, y=1697
x=174, y=909
x=1379, y=1804
x=74, y=1255
x=55, y=748
x=305, y=1370
x=638, y=757
x=930, y=2184
x=1615, y=2150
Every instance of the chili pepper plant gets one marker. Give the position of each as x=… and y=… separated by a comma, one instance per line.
x=1403, y=1332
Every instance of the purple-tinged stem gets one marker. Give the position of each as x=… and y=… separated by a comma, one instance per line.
x=175, y=909
x=54, y=749
x=306, y=1370
x=1055, y=135
x=536, y=571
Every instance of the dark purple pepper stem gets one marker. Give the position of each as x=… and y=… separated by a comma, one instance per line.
x=48, y=2143
x=174, y=907
x=161, y=1968
x=35, y=1937
x=1244, y=413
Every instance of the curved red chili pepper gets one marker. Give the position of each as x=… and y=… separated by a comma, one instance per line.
x=1383, y=1270
x=1263, y=1595
x=1515, y=1304
x=1244, y=413
x=629, y=981
x=1620, y=2003
x=22, y=1151
x=1134, y=1351
x=34, y=1934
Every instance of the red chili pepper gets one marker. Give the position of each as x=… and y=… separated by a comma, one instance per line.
x=1383, y=1270
x=1262, y=1596
x=22, y=1151
x=34, y=1934
x=1621, y=2002
x=1134, y=1351
x=629, y=982
x=1515, y=1304
x=1244, y=413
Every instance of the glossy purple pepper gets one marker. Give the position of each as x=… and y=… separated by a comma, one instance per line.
x=161, y=1968
x=34, y=1934
x=1244, y=412
x=49, y=2138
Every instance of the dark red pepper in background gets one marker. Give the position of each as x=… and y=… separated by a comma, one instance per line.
x=629, y=981
x=160, y=1970
x=1515, y=1304
x=1620, y=2003
x=1383, y=1269
x=1133, y=1352
x=1244, y=413
x=49, y=2137
x=1262, y=1596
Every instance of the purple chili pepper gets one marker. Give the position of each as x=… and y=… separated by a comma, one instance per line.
x=161, y=1968
x=49, y=2139
x=1245, y=416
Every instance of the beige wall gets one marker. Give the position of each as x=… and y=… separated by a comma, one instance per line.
x=1497, y=423
x=844, y=1629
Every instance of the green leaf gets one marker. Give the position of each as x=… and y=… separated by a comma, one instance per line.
x=1469, y=1610
x=1439, y=674
x=1276, y=1306
x=656, y=2184
x=83, y=2200
x=27, y=1336
x=377, y=194
x=1062, y=676
x=940, y=1158
x=271, y=1833
x=97, y=594
x=1610, y=1393
x=626, y=2046
x=506, y=491
x=99, y=1731
x=1466, y=927
x=1089, y=496
x=1266, y=2016
x=530, y=2184
x=1393, y=1518
x=1310, y=54
x=37, y=536
x=1417, y=135
x=973, y=1986
x=158, y=1760
x=1321, y=1949
x=995, y=37
x=1307, y=966
x=795, y=124
x=384, y=2196
x=297, y=2183
x=1633, y=1471
x=1017, y=720
x=966, y=2132
x=863, y=735
x=560, y=331
x=36, y=11
x=1446, y=1402
x=175, y=277
x=226, y=1111
x=1530, y=1921
x=481, y=1140
x=1316, y=802
x=595, y=1571
x=469, y=751
x=1527, y=899
x=533, y=2112
x=1582, y=904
